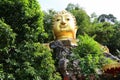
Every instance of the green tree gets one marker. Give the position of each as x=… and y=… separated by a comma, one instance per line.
x=48, y=24
x=106, y=18
x=22, y=57
x=24, y=17
x=82, y=18
x=83, y=21
x=71, y=6
x=102, y=32
x=106, y=31
x=115, y=39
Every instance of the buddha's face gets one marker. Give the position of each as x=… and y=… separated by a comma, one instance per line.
x=63, y=21
x=64, y=26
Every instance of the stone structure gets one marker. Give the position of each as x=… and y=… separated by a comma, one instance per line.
x=64, y=30
x=62, y=53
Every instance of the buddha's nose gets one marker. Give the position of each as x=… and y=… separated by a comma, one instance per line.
x=63, y=23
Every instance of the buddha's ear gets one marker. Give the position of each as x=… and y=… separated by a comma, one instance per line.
x=76, y=27
x=75, y=31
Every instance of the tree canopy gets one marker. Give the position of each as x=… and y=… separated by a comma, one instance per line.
x=22, y=56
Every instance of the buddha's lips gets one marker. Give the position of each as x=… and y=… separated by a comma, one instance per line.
x=63, y=26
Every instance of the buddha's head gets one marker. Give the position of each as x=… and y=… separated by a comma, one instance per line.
x=64, y=26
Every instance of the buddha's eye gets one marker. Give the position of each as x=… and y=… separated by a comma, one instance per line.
x=68, y=19
x=58, y=20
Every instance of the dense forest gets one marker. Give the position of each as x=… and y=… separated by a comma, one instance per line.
x=24, y=27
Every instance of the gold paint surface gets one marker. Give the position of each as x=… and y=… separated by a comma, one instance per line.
x=64, y=26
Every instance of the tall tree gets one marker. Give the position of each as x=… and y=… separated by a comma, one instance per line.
x=71, y=6
x=48, y=24
x=106, y=18
x=106, y=29
x=22, y=57
x=82, y=18
x=24, y=17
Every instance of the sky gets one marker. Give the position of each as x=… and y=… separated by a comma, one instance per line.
x=90, y=6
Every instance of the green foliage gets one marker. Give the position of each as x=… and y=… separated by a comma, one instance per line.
x=106, y=18
x=6, y=34
x=22, y=57
x=102, y=32
x=114, y=43
x=87, y=45
x=83, y=21
x=28, y=61
x=48, y=25
x=106, y=31
x=71, y=7
x=24, y=17
x=90, y=55
x=82, y=18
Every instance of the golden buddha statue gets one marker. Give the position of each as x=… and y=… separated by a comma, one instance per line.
x=64, y=27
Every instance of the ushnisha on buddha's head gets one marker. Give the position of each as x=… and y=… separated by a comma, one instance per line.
x=64, y=26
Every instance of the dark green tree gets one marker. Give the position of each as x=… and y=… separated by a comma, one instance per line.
x=107, y=18
x=48, y=24
x=115, y=39
x=22, y=57
x=102, y=32
x=24, y=17
x=103, y=29
x=71, y=6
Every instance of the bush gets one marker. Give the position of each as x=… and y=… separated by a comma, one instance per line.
x=90, y=55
